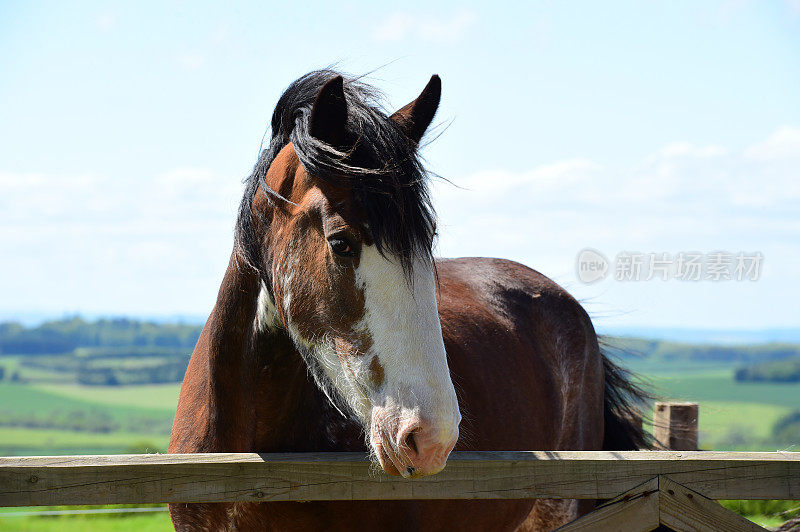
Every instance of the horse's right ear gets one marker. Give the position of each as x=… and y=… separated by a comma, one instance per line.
x=415, y=117
x=329, y=114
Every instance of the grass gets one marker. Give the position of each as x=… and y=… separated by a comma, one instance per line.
x=138, y=401
x=63, y=368
x=650, y=368
x=147, y=522
x=150, y=396
x=728, y=410
x=769, y=513
x=719, y=385
x=24, y=441
x=723, y=423
x=33, y=400
x=734, y=415
x=12, y=364
x=141, y=407
x=710, y=382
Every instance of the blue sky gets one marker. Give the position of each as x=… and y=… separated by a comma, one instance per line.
x=125, y=131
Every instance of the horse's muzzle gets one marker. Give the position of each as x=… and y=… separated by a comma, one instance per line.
x=413, y=447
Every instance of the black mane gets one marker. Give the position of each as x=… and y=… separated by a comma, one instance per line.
x=380, y=164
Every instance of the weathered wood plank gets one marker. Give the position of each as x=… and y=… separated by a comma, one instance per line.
x=683, y=509
x=675, y=425
x=29, y=481
x=633, y=511
x=661, y=501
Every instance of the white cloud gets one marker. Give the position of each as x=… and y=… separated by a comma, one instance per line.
x=30, y=198
x=400, y=26
x=682, y=197
x=781, y=145
x=546, y=176
x=154, y=244
x=195, y=195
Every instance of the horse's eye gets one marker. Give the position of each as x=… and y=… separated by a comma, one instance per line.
x=341, y=246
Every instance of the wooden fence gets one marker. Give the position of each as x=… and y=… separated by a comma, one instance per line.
x=645, y=488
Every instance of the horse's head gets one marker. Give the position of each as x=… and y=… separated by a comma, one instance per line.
x=339, y=223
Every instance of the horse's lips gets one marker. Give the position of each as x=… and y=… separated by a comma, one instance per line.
x=390, y=459
x=386, y=462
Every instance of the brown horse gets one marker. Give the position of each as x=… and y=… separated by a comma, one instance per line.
x=334, y=326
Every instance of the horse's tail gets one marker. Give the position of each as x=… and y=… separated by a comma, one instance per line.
x=623, y=403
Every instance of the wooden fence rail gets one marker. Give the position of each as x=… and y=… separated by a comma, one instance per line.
x=28, y=481
x=646, y=490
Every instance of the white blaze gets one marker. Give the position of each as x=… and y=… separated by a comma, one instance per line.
x=403, y=320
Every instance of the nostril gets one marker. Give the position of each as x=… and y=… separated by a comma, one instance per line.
x=411, y=442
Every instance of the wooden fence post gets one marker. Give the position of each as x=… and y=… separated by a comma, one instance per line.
x=675, y=426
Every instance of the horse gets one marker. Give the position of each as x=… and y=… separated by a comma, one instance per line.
x=335, y=329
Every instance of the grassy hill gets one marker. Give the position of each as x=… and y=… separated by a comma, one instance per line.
x=673, y=352
x=47, y=409
x=734, y=415
x=784, y=370
x=71, y=419
x=118, y=383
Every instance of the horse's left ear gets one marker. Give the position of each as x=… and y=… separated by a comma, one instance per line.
x=329, y=114
x=415, y=117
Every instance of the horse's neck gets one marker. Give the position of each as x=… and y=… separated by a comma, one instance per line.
x=213, y=415
x=260, y=396
x=291, y=413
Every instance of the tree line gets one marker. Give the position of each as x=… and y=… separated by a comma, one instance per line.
x=64, y=336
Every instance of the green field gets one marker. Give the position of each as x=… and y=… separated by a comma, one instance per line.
x=124, y=522
x=23, y=441
x=122, y=418
x=13, y=364
x=120, y=401
x=728, y=408
x=151, y=396
x=728, y=425
x=733, y=416
x=719, y=385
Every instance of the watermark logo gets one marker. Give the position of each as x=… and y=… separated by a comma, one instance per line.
x=715, y=266
x=591, y=266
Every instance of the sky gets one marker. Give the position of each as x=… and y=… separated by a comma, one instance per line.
x=623, y=127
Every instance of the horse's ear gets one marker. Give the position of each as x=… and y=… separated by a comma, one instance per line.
x=415, y=117
x=329, y=114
